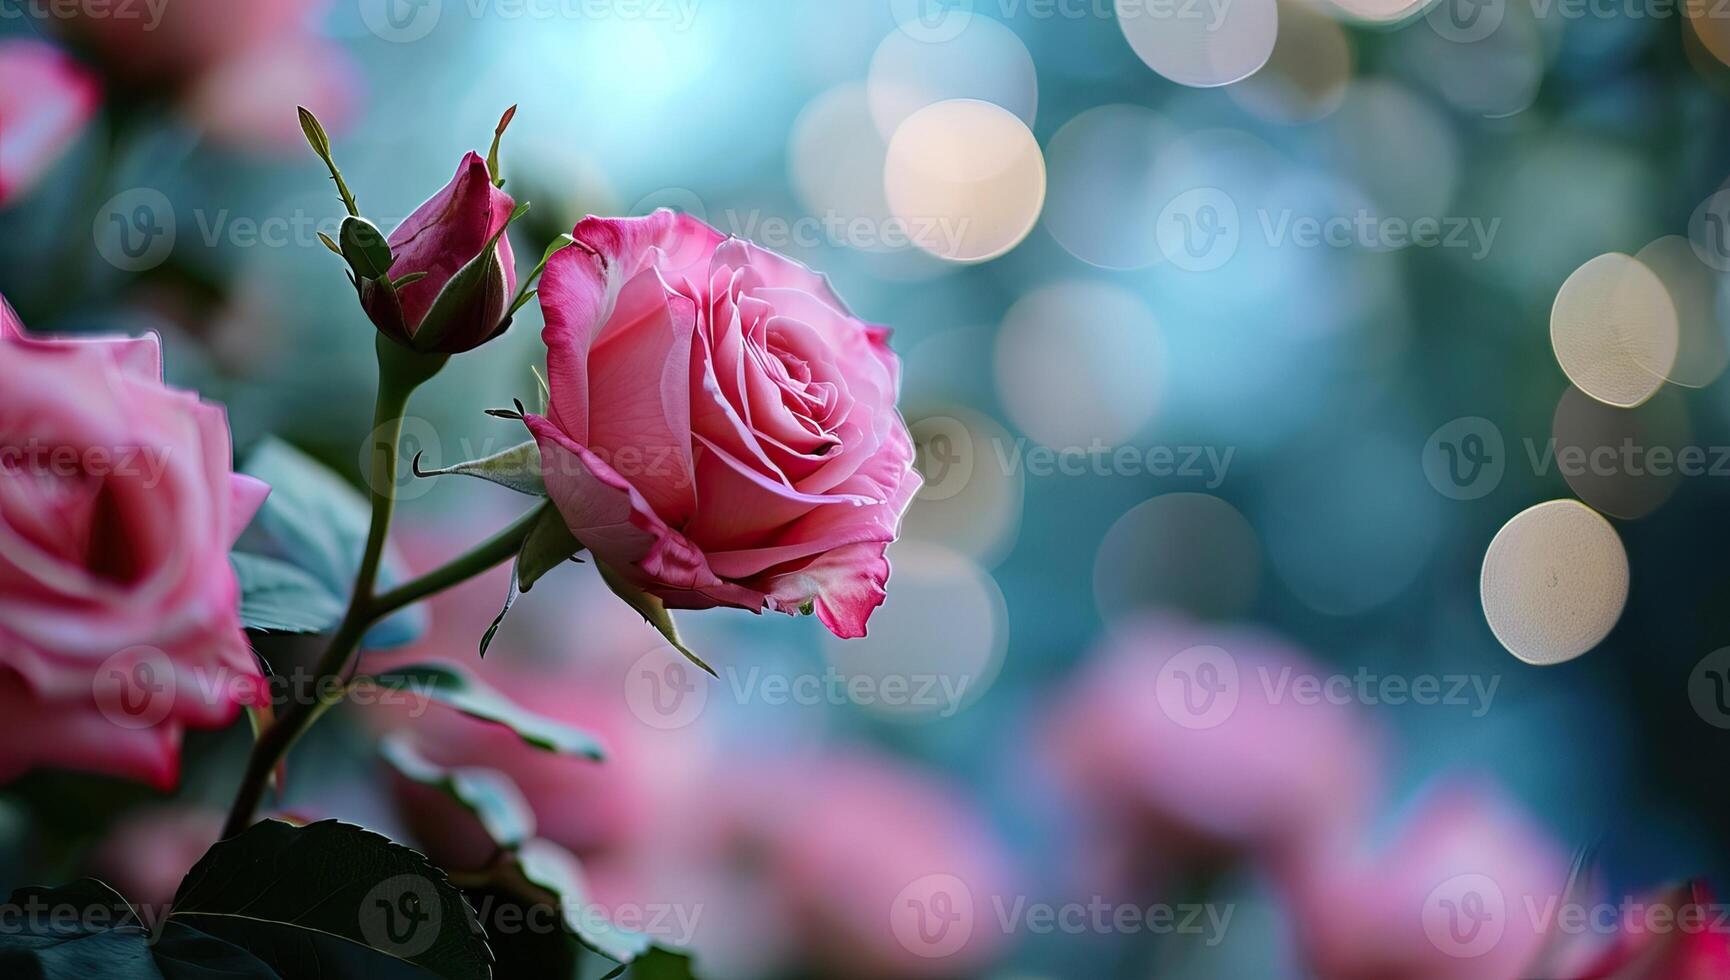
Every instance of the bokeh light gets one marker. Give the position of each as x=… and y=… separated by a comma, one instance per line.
x=1613, y=328
x=1191, y=552
x=1554, y=583
x=966, y=178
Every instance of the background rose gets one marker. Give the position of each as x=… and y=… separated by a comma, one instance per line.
x=117, y=510
x=722, y=429
x=46, y=98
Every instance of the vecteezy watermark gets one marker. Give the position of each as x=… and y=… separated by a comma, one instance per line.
x=1466, y=458
x=1467, y=915
x=144, y=464
x=146, y=13
x=140, y=686
x=948, y=456
x=940, y=234
x=674, y=924
x=1709, y=688
x=937, y=21
x=1470, y=21
x=404, y=21
x=426, y=451
x=666, y=692
x=935, y=916
x=1203, y=687
x=1201, y=229
x=138, y=229
x=402, y=915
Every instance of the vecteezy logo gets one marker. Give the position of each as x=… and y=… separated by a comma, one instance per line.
x=1198, y=231
x=1465, y=916
x=1709, y=231
x=135, y=688
x=401, y=21
x=1466, y=21
x=135, y=229
x=1465, y=459
x=664, y=690
x=933, y=916
x=401, y=916
x=943, y=455
x=418, y=443
x=1198, y=688
x=932, y=21
x=1709, y=688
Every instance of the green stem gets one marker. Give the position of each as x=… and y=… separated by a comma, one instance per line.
x=491, y=553
x=399, y=375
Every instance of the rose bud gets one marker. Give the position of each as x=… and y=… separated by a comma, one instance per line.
x=451, y=263
x=119, y=610
x=46, y=99
x=722, y=430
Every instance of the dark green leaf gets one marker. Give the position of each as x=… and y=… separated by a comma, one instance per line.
x=473, y=697
x=652, y=610
x=331, y=900
x=518, y=468
x=280, y=598
x=488, y=794
x=184, y=953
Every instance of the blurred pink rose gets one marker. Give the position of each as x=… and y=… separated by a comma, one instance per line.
x=594, y=810
x=1183, y=744
x=173, y=42
x=149, y=851
x=723, y=430
x=444, y=234
x=842, y=864
x=238, y=68
x=119, y=623
x=46, y=99
x=1465, y=891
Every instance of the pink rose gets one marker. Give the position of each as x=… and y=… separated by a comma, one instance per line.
x=722, y=430
x=1676, y=935
x=443, y=235
x=1462, y=893
x=46, y=99
x=846, y=863
x=1173, y=745
x=173, y=42
x=119, y=622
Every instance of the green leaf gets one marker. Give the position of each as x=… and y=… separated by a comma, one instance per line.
x=488, y=794
x=316, y=137
x=493, y=154
x=545, y=874
x=549, y=543
x=518, y=468
x=332, y=900
x=316, y=521
x=86, y=930
x=280, y=598
x=365, y=248
x=652, y=610
x=473, y=697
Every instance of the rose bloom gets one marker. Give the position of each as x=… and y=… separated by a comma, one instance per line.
x=1165, y=777
x=119, y=622
x=444, y=234
x=722, y=430
x=46, y=99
